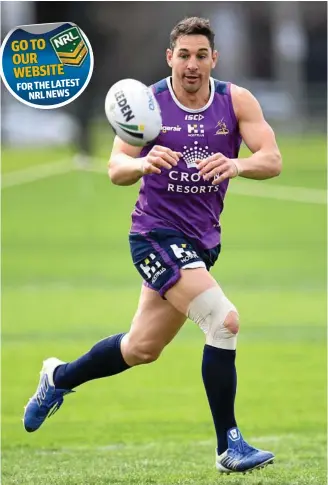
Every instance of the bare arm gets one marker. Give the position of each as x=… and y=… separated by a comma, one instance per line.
x=258, y=135
x=126, y=167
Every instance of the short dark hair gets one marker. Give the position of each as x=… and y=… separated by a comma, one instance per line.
x=192, y=26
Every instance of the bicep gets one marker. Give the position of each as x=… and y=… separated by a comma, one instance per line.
x=254, y=129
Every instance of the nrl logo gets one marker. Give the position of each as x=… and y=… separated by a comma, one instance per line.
x=222, y=128
x=70, y=47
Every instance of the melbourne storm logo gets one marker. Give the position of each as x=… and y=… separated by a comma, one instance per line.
x=222, y=128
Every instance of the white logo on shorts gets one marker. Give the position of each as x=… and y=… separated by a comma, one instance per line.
x=152, y=270
x=184, y=254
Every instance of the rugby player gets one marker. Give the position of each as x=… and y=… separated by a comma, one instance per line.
x=175, y=236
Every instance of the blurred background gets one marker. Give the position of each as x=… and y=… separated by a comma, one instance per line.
x=278, y=50
x=68, y=279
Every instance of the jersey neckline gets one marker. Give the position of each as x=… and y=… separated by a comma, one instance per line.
x=190, y=110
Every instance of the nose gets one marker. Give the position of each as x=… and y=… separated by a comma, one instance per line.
x=192, y=64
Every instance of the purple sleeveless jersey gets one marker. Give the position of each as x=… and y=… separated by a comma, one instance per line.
x=179, y=198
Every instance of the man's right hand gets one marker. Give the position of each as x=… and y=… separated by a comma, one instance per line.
x=158, y=158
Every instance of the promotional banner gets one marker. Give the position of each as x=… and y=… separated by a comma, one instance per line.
x=46, y=66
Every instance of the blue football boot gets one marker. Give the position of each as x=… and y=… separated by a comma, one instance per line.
x=47, y=399
x=240, y=457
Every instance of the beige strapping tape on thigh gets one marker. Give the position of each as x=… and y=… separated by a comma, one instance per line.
x=209, y=310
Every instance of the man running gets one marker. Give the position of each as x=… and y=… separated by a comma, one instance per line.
x=175, y=236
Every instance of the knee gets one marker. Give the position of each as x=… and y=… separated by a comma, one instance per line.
x=138, y=353
x=231, y=322
x=217, y=317
x=144, y=354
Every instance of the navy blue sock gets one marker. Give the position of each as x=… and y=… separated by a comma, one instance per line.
x=103, y=360
x=220, y=381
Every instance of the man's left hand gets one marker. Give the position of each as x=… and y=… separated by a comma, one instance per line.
x=217, y=166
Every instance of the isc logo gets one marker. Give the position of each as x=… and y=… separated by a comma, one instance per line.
x=196, y=117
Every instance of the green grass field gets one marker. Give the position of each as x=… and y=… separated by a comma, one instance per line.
x=68, y=281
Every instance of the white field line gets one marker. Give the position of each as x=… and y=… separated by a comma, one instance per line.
x=279, y=192
x=238, y=187
x=37, y=172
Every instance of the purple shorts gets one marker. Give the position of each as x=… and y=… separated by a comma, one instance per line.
x=160, y=254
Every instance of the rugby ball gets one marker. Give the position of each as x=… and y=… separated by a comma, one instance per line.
x=133, y=112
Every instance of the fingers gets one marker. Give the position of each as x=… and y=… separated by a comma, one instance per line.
x=167, y=157
x=201, y=163
x=161, y=157
x=211, y=168
x=209, y=163
x=148, y=168
x=217, y=167
x=158, y=161
x=172, y=153
x=223, y=176
x=217, y=174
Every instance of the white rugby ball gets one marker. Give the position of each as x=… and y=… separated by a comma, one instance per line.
x=133, y=112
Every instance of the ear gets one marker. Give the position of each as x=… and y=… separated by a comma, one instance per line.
x=215, y=58
x=169, y=55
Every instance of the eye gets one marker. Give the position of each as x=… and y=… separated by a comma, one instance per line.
x=202, y=56
x=183, y=56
